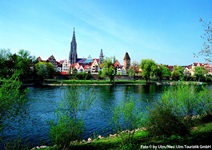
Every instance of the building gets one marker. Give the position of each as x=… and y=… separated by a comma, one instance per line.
x=73, y=50
x=101, y=57
x=126, y=61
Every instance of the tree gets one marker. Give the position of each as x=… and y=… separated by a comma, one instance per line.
x=108, y=69
x=4, y=57
x=177, y=72
x=126, y=116
x=131, y=72
x=207, y=37
x=70, y=124
x=148, y=67
x=44, y=70
x=11, y=98
x=200, y=72
x=165, y=71
x=24, y=62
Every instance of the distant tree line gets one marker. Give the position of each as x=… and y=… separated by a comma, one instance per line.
x=27, y=66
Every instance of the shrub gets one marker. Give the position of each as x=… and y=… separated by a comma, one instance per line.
x=70, y=125
x=173, y=114
x=163, y=122
x=66, y=130
x=126, y=116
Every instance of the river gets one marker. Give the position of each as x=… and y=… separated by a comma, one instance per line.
x=33, y=123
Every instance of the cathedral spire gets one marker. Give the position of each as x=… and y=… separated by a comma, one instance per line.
x=73, y=49
x=73, y=37
x=101, y=57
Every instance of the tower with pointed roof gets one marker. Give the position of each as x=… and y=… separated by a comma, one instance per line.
x=126, y=61
x=101, y=57
x=73, y=50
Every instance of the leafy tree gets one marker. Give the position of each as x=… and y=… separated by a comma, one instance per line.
x=177, y=72
x=101, y=75
x=179, y=104
x=126, y=116
x=12, y=98
x=12, y=62
x=108, y=69
x=148, y=67
x=200, y=72
x=24, y=62
x=4, y=57
x=165, y=71
x=70, y=125
x=44, y=70
x=158, y=72
x=207, y=37
x=74, y=71
x=131, y=72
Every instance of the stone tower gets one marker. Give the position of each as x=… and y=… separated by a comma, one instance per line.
x=101, y=57
x=126, y=61
x=73, y=50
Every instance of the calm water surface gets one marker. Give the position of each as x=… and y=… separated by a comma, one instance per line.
x=33, y=123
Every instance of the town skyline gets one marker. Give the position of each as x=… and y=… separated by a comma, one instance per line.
x=165, y=31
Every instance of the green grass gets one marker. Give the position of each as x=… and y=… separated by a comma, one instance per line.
x=98, y=82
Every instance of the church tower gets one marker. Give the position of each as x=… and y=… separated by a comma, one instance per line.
x=73, y=50
x=101, y=57
x=126, y=61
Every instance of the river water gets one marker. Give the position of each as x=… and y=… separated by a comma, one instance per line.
x=43, y=102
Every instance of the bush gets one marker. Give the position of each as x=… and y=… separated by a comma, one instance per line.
x=126, y=116
x=69, y=126
x=173, y=114
x=65, y=131
x=163, y=122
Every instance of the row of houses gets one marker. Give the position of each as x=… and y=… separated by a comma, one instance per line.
x=92, y=66
x=87, y=65
x=191, y=68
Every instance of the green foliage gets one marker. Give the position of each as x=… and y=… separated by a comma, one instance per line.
x=131, y=72
x=101, y=75
x=11, y=96
x=44, y=70
x=108, y=69
x=163, y=122
x=70, y=112
x=204, y=102
x=177, y=73
x=174, y=112
x=200, y=72
x=83, y=76
x=13, y=62
x=66, y=130
x=148, y=67
x=74, y=71
x=126, y=116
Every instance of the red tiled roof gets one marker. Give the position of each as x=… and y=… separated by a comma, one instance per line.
x=63, y=73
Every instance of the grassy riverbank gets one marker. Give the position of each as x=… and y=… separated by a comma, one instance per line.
x=91, y=82
x=54, y=82
x=200, y=135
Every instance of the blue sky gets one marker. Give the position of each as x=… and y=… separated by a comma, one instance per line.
x=167, y=31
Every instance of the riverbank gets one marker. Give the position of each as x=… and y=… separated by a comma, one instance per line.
x=200, y=135
x=53, y=82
